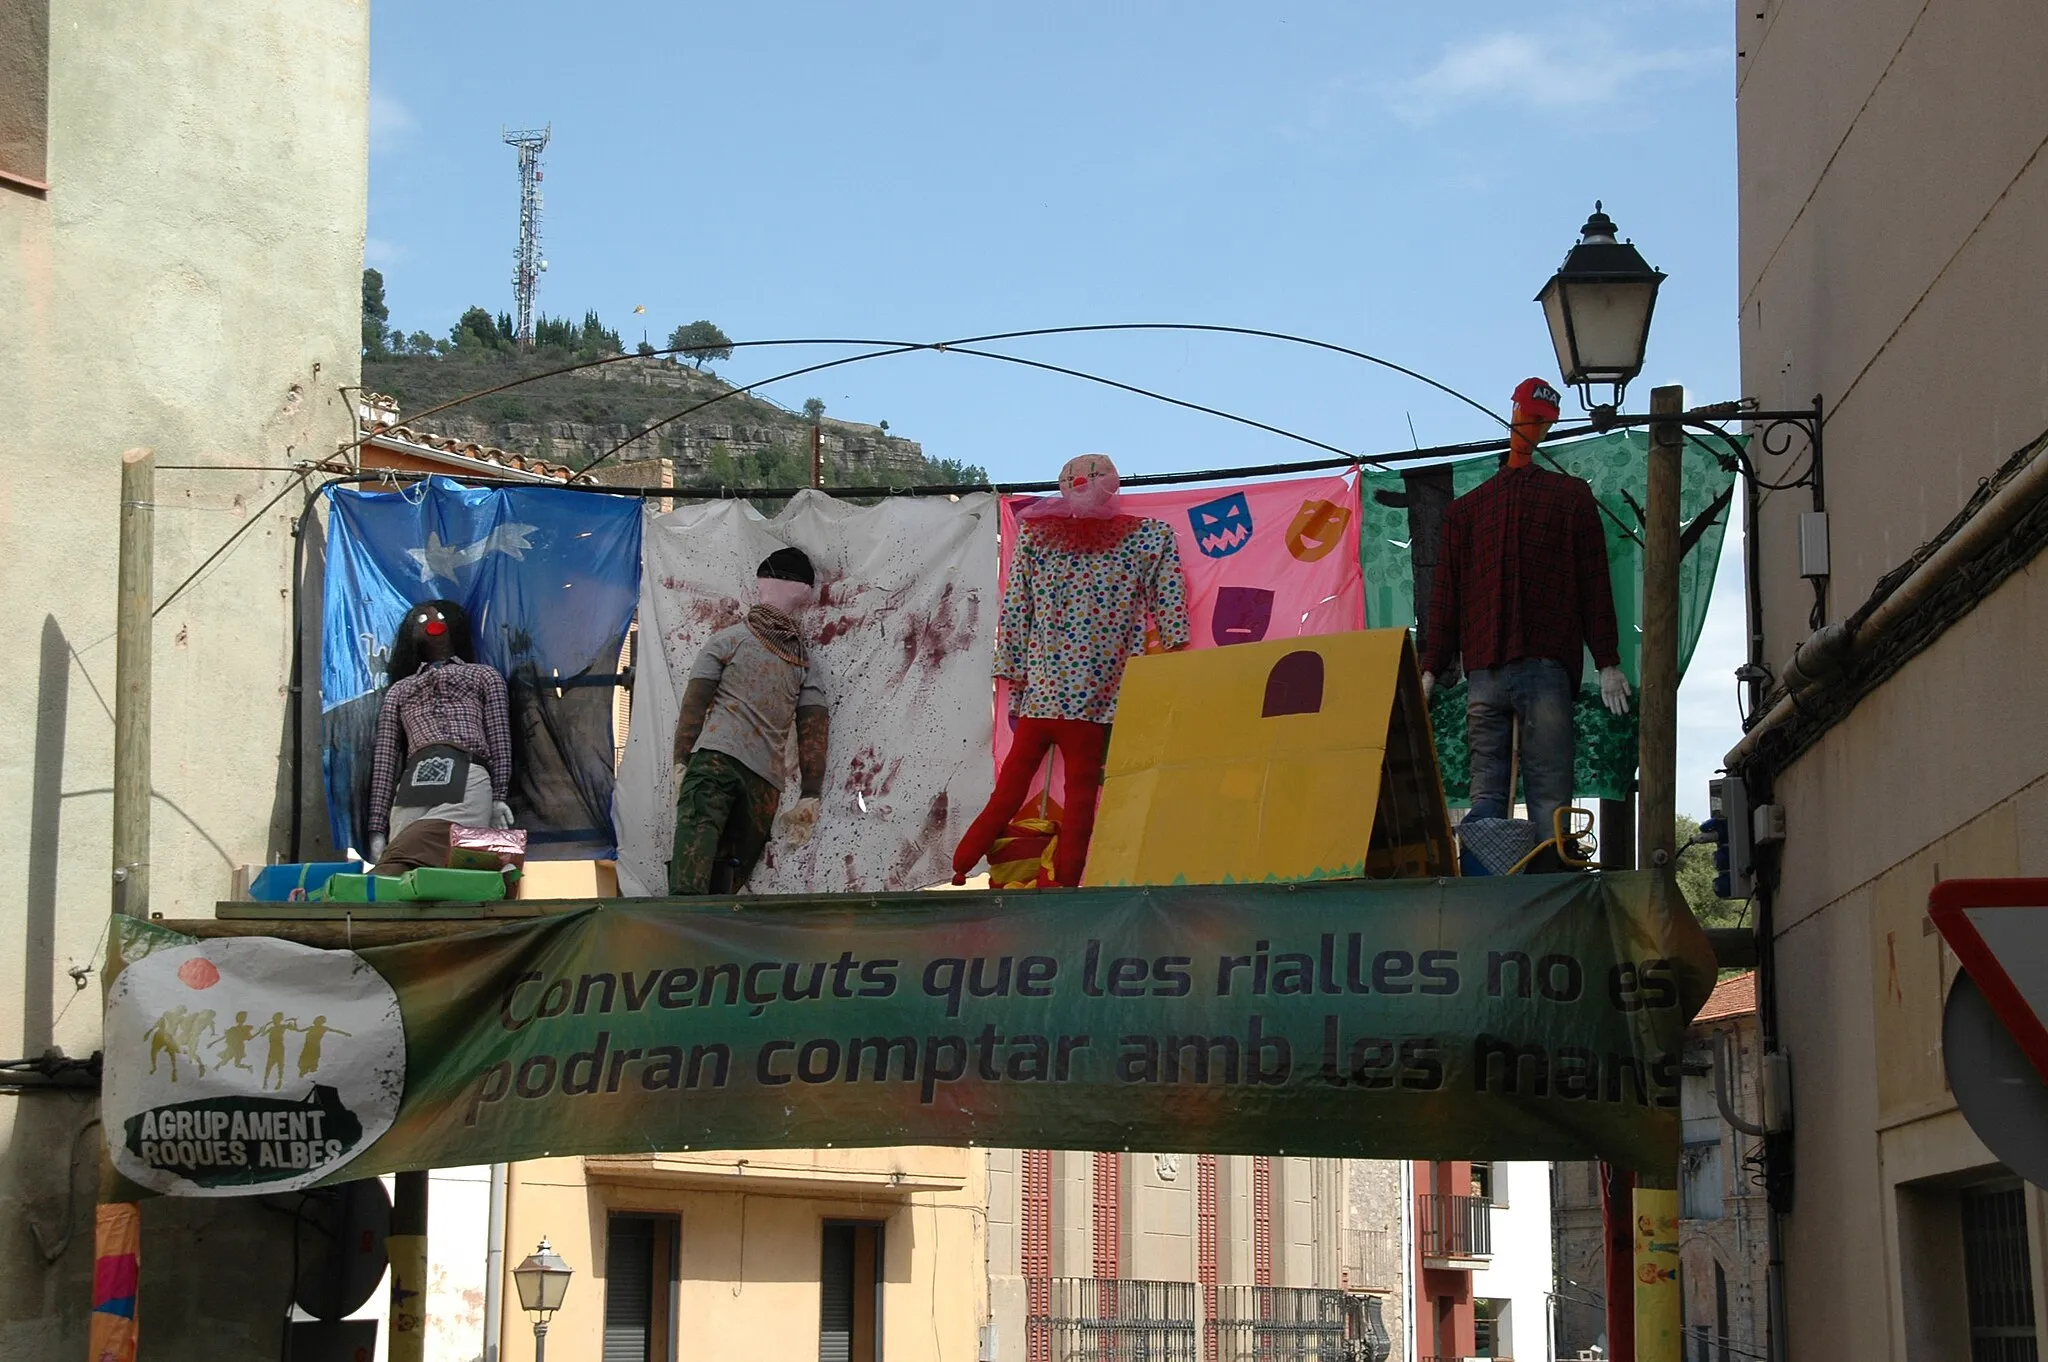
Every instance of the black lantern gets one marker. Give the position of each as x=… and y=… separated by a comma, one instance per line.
x=1598, y=305
x=543, y=1282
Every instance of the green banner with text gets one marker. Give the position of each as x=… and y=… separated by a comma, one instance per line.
x=1523, y=1018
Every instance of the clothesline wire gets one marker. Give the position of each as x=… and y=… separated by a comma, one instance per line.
x=902, y=347
x=958, y=349
x=1395, y=462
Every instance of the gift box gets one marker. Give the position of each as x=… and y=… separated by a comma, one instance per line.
x=428, y=884
x=486, y=848
x=289, y=883
x=351, y=888
x=568, y=880
x=435, y=884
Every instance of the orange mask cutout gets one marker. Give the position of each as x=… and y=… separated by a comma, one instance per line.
x=1318, y=528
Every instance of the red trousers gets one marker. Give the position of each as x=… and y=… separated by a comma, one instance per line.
x=1082, y=745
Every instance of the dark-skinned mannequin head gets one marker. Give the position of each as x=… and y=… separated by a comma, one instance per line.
x=432, y=631
x=1535, y=412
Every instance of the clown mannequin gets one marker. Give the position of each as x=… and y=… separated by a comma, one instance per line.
x=1522, y=593
x=443, y=751
x=752, y=684
x=1083, y=580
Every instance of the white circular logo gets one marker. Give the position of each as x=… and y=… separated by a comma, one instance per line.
x=248, y=1064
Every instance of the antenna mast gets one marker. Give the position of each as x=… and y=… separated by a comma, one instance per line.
x=527, y=262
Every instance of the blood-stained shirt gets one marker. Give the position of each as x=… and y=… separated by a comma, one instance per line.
x=759, y=693
x=1075, y=609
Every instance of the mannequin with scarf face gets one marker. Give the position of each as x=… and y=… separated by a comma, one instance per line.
x=1083, y=580
x=1522, y=593
x=752, y=683
x=443, y=749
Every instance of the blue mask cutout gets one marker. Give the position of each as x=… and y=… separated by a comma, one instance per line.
x=1222, y=526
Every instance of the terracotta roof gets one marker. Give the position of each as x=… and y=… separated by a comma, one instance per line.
x=406, y=440
x=1734, y=997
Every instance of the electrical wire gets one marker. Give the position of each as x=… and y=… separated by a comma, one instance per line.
x=227, y=544
x=955, y=349
x=50, y=1254
x=905, y=346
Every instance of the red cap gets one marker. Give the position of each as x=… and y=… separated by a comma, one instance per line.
x=1537, y=398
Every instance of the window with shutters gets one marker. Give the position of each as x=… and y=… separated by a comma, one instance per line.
x=850, y=1292
x=640, y=1288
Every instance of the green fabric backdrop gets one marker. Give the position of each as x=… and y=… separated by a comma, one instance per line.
x=1402, y=508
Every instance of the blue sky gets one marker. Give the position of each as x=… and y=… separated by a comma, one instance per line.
x=1399, y=179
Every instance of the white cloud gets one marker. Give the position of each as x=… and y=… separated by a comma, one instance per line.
x=1578, y=68
x=381, y=254
x=390, y=120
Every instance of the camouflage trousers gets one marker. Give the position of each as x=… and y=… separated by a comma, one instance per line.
x=724, y=812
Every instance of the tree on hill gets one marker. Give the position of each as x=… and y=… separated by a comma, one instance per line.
x=701, y=341
x=814, y=410
x=375, y=315
x=597, y=340
x=476, y=330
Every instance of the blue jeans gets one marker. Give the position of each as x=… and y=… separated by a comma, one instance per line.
x=1538, y=691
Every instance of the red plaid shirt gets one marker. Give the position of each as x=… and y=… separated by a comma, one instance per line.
x=452, y=704
x=1522, y=572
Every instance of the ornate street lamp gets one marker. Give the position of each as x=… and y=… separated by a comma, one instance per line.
x=1598, y=305
x=543, y=1280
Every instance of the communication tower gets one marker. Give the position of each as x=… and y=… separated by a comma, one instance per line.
x=527, y=263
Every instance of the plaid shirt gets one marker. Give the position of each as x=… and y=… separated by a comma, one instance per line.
x=450, y=704
x=1522, y=572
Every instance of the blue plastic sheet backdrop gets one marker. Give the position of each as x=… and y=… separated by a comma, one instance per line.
x=550, y=579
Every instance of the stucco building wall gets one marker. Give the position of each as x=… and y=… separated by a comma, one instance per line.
x=750, y=1238
x=1894, y=179
x=190, y=283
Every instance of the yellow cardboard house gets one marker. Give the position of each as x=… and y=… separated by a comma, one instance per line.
x=1295, y=759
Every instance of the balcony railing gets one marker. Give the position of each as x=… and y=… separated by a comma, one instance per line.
x=1092, y=1319
x=1297, y=1324
x=1089, y=1319
x=1454, y=1226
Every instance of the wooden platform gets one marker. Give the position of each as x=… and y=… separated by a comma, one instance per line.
x=347, y=925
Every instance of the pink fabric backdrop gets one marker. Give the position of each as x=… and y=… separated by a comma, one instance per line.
x=1263, y=560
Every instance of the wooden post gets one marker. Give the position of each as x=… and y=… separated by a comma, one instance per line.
x=134, y=599
x=406, y=1246
x=817, y=455
x=1657, y=753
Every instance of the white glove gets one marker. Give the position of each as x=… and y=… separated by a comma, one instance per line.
x=501, y=814
x=1428, y=684
x=1614, y=690
x=376, y=847
x=796, y=826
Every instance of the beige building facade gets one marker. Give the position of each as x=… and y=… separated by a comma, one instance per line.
x=923, y=1254
x=1894, y=191
x=182, y=202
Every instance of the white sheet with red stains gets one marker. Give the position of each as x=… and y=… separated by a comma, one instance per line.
x=906, y=621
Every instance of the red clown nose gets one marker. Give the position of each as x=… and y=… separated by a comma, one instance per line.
x=436, y=628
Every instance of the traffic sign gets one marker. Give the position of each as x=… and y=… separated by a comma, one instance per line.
x=1999, y=931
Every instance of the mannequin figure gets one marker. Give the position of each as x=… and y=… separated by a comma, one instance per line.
x=752, y=684
x=1522, y=592
x=1083, y=580
x=443, y=750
